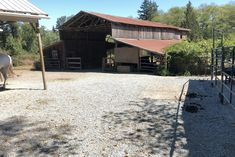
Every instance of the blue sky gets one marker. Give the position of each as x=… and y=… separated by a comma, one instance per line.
x=57, y=8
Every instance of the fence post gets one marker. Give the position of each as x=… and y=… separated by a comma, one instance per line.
x=212, y=67
x=222, y=75
x=216, y=65
x=232, y=76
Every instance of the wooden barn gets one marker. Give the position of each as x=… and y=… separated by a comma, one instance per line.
x=92, y=40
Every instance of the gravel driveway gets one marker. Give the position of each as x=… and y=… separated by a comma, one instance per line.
x=119, y=115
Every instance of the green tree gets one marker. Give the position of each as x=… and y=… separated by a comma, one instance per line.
x=13, y=45
x=207, y=18
x=61, y=20
x=29, y=39
x=175, y=16
x=9, y=29
x=148, y=10
x=191, y=22
x=48, y=36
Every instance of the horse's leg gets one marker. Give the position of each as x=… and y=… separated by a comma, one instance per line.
x=4, y=73
x=1, y=77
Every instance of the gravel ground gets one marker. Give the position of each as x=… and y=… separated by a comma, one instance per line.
x=119, y=115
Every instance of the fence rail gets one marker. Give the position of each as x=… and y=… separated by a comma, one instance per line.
x=74, y=63
x=223, y=73
x=51, y=63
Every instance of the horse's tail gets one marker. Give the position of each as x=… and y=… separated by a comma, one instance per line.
x=11, y=72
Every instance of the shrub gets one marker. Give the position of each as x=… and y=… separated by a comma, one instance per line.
x=189, y=57
x=25, y=58
x=187, y=73
x=162, y=71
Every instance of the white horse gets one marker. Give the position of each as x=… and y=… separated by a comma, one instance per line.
x=5, y=67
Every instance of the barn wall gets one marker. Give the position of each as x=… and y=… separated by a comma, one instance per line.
x=138, y=32
x=126, y=55
x=125, y=31
x=90, y=46
x=47, y=52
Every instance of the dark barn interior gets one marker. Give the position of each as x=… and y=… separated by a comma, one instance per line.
x=85, y=38
x=90, y=46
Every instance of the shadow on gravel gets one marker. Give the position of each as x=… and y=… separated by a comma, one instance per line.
x=20, y=89
x=21, y=137
x=150, y=128
x=207, y=124
x=193, y=127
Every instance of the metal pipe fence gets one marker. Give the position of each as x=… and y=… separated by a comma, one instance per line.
x=223, y=73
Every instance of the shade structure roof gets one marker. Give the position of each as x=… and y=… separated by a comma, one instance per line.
x=151, y=45
x=20, y=10
x=125, y=20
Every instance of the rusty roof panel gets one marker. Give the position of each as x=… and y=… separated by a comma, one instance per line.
x=155, y=46
x=137, y=22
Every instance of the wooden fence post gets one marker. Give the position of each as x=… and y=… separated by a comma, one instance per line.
x=41, y=55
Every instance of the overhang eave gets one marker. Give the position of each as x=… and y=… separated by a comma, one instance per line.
x=8, y=16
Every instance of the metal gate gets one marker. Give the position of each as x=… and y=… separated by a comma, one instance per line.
x=222, y=73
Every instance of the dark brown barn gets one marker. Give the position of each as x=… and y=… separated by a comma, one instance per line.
x=93, y=40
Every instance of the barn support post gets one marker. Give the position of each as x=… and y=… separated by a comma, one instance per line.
x=139, y=61
x=37, y=30
x=63, y=57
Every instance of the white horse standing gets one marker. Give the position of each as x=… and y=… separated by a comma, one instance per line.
x=5, y=66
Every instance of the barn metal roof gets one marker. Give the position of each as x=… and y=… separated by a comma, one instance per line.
x=20, y=10
x=151, y=45
x=125, y=20
x=137, y=22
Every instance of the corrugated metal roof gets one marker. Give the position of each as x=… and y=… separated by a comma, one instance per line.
x=20, y=6
x=129, y=21
x=137, y=22
x=155, y=46
x=20, y=9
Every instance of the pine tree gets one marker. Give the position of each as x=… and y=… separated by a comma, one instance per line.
x=148, y=10
x=191, y=22
x=53, y=29
x=60, y=21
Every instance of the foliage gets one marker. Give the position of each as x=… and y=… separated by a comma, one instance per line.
x=163, y=72
x=192, y=57
x=25, y=58
x=13, y=45
x=20, y=41
x=187, y=73
x=28, y=38
x=208, y=16
x=175, y=16
x=61, y=20
x=189, y=57
x=148, y=10
x=191, y=22
x=48, y=36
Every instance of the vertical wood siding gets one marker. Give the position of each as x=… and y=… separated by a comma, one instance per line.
x=138, y=32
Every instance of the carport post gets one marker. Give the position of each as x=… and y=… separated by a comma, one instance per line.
x=41, y=55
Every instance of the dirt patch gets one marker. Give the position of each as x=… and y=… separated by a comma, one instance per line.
x=63, y=79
